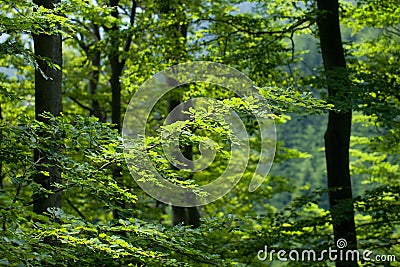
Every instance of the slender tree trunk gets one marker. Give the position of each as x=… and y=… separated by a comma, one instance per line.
x=47, y=99
x=180, y=215
x=116, y=70
x=94, y=79
x=1, y=163
x=116, y=118
x=337, y=135
x=116, y=93
x=117, y=65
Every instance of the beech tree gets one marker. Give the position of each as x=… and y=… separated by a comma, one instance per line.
x=337, y=135
x=119, y=44
x=176, y=53
x=48, y=98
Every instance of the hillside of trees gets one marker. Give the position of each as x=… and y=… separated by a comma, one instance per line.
x=199, y=133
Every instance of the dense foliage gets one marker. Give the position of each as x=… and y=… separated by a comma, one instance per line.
x=110, y=48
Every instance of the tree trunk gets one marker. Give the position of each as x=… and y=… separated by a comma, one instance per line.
x=1, y=163
x=337, y=135
x=47, y=99
x=117, y=65
x=116, y=92
x=94, y=79
x=180, y=215
x=116, y=69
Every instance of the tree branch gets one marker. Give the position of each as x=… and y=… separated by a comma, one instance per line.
x=83, y=25
x=291, y=28
x=80, y=104
x=128, y=40
x=75, y=208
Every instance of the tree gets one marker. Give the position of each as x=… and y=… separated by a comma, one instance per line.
x=117, y=62
x=48, y=98
x=234, y=228
x=337, y=135
x=176, y=34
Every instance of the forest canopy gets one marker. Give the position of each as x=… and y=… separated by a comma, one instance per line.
x=293, y=105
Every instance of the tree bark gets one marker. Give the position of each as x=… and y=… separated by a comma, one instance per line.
x=116, y=70
x=1, y=163
x=337, y=135
x=94, y=79
x=117, y=65
x=48, y=98
x=180, y=215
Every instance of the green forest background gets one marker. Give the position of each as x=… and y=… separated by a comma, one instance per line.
x=68, y=70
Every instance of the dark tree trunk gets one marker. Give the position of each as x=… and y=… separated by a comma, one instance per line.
x=116, y=70
x=1, y=163
x=94, y=79
x=116, y=118
x=47, y=99
x=116, y=92
x=180, y=215
x=117, y=65
x=337, y=135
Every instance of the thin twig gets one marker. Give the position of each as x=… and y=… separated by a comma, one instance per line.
x=75, y=209
x=80, y=104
